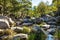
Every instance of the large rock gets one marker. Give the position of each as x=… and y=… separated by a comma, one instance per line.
x=5, y=22
x=52, y=21
x=17, y=29
x=20, y=37
x=11, y=22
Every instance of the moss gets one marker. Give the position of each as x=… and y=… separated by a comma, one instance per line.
x=26, y=30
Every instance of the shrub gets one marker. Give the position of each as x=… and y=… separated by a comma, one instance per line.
x=26, y=30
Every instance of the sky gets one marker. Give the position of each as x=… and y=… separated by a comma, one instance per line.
x=36, y=2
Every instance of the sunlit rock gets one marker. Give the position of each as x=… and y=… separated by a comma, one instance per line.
x=20, y=37
x=46, y=26
x=11, y=22
x=5, y=22
x=17, y=29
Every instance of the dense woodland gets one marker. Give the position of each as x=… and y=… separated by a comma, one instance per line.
x=20, y=8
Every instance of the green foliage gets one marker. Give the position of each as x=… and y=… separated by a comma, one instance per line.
x=15, y=7
x=42, y=8
x=23, y=8
x=32, y=36
x=26, y=30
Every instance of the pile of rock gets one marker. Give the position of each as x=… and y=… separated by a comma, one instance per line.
x=5, y=22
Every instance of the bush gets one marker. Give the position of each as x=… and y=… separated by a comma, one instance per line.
x=26, y=30
x=32, y=36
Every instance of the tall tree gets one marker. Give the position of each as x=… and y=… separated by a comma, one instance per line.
x=57, y=4
x=42, y=7
x=15, y=7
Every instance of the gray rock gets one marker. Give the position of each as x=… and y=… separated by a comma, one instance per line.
x=52, y=23
x=20, y=36
x=11, y=22
x=53, y=26
x=36, y=28
x=5, y=22
x=17, y=29
x=27, y=24
x=51, y=30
